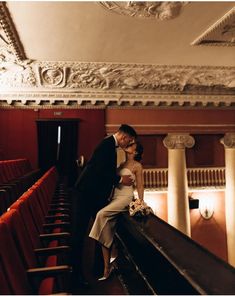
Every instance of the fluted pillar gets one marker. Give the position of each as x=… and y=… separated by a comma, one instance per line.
x=229, y=144
x=178, y=202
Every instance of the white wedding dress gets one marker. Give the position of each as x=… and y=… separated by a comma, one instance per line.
x=104, y=227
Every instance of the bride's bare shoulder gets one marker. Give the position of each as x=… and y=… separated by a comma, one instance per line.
x=138, y=165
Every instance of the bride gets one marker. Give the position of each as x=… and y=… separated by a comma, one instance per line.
x=104, y=227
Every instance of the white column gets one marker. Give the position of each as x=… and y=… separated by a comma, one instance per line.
x=229, y=144
x=178, y=201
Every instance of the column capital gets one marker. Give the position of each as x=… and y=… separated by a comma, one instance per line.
x=228, y=140
x=178, y=141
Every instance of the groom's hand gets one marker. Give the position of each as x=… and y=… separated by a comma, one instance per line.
x=127, y=180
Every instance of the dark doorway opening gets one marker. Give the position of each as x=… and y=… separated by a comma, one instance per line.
x=57, y=145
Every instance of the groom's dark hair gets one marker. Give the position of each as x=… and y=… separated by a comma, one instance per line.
x=127, y=129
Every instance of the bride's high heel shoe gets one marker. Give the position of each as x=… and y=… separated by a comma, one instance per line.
x=107, y=275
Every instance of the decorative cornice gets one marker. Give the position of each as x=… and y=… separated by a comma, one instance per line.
x=220, y=33
x=178, y=141
x=228, y=140
x=145, y=9
x=28, y=83
x=8, y=27
x=114, y=99
x=121, y=78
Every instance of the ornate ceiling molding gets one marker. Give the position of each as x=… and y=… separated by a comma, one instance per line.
x=220, y=33
x=13, y=43
x=25, y=82
x=145, y=9
x=117, y=84
x=113, y=100
x=121, y=78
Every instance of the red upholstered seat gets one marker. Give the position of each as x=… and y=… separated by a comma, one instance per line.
x=11, y=263
x=14, y=278
x=20, y=229
x=5, y=288
x=16, y=227
x=22, y=206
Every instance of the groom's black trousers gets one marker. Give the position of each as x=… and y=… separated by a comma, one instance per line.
x=84, y=207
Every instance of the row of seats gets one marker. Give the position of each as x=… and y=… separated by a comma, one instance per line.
x=16, y=176
x=35, y=239
x=12, y=169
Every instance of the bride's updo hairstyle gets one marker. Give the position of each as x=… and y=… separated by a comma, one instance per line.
x=139, y=151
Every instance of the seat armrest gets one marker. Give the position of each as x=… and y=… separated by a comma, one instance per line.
x=44, y=272
x=51, y=251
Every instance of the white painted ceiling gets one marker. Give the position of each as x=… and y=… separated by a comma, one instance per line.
x=86, y=32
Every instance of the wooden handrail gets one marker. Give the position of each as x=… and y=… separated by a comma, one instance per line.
x=171, y=262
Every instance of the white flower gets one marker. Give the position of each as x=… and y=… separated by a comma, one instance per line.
x=139, y=208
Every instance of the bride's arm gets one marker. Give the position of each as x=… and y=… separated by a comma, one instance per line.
x=139, y=181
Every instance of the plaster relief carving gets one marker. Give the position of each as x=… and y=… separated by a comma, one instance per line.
x=9, y=34
x=145, y=9
x=220, y=33
x=149, y=78
x=52, y=76
x=15, y=75
x=119, y=77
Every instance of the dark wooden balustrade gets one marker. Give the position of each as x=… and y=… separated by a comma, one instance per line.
x=170, y=262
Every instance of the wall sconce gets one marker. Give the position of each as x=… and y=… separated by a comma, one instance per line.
x=206, y=208
x=193, y=202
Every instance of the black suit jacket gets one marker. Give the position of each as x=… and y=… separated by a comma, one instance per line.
x=99, y=175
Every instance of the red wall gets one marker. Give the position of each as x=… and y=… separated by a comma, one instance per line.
x=207, y=126
x=18, y=136
x=207, y=151
x=18, y=133
x=161, y=121
x=211, y=233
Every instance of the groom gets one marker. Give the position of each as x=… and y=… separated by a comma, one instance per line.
x=95, y=184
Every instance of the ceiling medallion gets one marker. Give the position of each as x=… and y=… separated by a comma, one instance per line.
x=145, y=9
x=220, y=33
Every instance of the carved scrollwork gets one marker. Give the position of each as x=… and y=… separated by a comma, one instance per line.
x=145, y=9
x=178, y=141
x=228, y=140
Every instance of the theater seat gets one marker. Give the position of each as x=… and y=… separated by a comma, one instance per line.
x=52, y=256
x=22, y=281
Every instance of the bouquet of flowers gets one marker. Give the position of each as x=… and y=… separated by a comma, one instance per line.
x=139, y=208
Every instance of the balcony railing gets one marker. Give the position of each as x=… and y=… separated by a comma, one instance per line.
x=197, y=177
